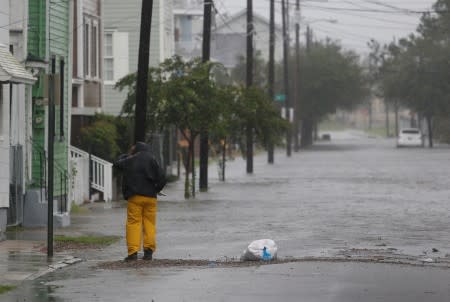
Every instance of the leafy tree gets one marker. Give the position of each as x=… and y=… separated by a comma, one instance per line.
x=417, y=68
x=239, y=72
x=331, y=78
x=181, y=94
x=101, y=138
x=254, y=108
x=189, y=102
x=154, y=86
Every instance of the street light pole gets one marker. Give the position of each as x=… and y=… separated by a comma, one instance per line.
x=51, y=157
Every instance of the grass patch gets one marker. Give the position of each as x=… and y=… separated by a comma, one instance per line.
x=330, y=125
x=76, y=209
x=380, y=132
x=15, y=228
x=66, y=243
x=87, y=240
x=6, y=288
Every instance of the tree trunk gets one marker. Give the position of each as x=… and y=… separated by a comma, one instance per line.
x=191, y=151
x=430, y=130
x=224, y=154
x=296, y=134
x=412, y=121
x=316, y=130
x=187, y=164
x=307, y=133
x=419, y=121
x=386, y=109
x=396, y=118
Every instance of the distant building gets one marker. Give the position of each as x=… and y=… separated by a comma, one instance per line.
x=229, y=39
x=188, y=23
x=87, y=63
x=122, y=21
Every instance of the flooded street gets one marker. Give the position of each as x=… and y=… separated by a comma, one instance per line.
x=351, y=193
x=351, y=198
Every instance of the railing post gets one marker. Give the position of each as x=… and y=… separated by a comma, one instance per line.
x=90, y=176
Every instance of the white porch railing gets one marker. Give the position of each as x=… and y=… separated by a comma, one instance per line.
x=101, y=177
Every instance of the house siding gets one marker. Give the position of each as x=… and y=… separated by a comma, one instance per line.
x=37, y=28
x=4, y=119
x=229, y=41
x=92, y=7
x=4, y=148
x=125, y=16
x=58, y=47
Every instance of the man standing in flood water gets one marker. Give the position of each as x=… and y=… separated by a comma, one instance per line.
x=143, y=179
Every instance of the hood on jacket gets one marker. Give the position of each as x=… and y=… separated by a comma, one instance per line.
x=142, y=147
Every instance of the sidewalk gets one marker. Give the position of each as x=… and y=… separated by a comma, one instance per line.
x=23, y=255
x=27, y=260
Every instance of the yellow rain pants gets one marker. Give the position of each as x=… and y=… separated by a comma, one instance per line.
x=141, y=211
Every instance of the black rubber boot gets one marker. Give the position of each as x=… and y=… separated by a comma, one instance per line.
x=132, y=257
x=148, y=254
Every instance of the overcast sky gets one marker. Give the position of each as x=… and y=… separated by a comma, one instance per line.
x=358, y=21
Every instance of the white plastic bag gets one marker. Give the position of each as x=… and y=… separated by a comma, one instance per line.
x=263, y=249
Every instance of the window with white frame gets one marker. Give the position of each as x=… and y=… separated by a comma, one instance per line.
x=108, y=57
x=94, y=50
x=87, y=47
x=116, y=56
x=91, y=48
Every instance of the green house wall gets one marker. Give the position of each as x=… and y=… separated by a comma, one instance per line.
x=53, y=20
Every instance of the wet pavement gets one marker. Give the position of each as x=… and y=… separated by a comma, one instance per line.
x=351, y=198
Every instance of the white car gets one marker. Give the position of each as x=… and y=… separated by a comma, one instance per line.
x=410, y=137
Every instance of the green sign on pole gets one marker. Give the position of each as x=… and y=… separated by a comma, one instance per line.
x=280, y=97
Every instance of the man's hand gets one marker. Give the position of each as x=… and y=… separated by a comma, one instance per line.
x=131, y=152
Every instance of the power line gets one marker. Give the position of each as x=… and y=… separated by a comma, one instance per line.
x=366, y=17
x=365, y=10
x=379, y=3
x=398, y=9
x=353, y=25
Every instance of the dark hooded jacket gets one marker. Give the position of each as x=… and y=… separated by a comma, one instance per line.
x=142, y=174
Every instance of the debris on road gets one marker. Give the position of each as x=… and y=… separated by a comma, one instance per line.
x=263, y=249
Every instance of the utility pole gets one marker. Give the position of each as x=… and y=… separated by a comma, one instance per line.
x=286, y=76
x=306, y=121
x=51, y=156
x=204, y=148
x=297, y=84
x=249, y=81
x=142, y=76
x=270, y=155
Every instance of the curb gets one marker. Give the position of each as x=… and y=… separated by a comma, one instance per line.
x=69, y=260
